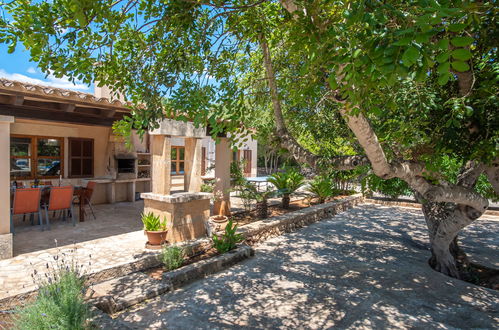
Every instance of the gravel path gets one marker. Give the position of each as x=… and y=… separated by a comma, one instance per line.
x=365, y=268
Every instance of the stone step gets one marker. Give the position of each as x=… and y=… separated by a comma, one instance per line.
x=117, y=294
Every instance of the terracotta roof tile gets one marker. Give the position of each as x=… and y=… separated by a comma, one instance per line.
x=66, y=95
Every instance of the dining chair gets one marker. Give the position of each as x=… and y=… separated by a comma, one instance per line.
x=26, y=201
x=61, y=199
x=86, y=197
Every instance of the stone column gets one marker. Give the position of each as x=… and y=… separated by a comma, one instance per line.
x=223, y=155
x=5, y=230
x=192, y=165
x=161, y=164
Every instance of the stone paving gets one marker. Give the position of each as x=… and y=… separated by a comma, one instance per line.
x=364, y=268
x=114, y=238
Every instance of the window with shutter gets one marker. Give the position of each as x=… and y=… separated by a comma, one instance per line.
x=81, y=158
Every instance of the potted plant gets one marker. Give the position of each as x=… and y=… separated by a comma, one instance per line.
x=154, y=228
x=286, y=184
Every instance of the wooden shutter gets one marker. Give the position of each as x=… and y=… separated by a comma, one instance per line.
x=81, y=157
x=247, y=158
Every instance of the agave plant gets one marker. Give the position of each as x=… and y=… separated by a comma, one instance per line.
x=286, y=184
x=321, y=187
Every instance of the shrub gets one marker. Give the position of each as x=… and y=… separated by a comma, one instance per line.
x=60, y=302
x=261, y=198
x=321, y=187
x=228, y=240
x=172, y=257
x=206, y=188
x=286, y=183
x=237, y=173
x=153, y=222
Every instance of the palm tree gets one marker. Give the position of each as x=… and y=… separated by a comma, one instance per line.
x=286, y=184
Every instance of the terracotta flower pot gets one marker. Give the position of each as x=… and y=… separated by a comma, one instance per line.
x=219, y=218
x=156, y=237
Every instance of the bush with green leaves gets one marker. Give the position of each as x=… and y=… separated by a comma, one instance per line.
x=153, y=222
x=321, y=187
x=261, y=197
x=172, y=257
x=237, y=173
x=391, y=187
x=60, y=303
x=206, y=187
x=286, y=184
x=228, y=240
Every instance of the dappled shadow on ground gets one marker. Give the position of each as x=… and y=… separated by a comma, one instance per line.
x=364, y=268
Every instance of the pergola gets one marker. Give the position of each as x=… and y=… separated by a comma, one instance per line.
x=185, y=212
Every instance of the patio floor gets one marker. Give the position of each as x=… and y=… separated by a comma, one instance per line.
x=114, y=238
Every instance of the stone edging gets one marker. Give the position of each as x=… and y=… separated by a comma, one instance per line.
x=262, y=230
x=118, y=294
x=412, y=205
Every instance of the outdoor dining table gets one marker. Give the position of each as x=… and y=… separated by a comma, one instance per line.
x=78, y=191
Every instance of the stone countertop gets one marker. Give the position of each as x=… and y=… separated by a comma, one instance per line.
x=183, y=197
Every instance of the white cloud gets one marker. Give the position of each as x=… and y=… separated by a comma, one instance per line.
x=31, y=70
x=50, y=81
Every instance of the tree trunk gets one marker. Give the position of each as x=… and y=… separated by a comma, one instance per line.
x=262, y=209
x=444, y=221
x=285, y=201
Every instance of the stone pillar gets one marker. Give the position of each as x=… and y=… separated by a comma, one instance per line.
x=161, y=164
x=192, y=165
x=5, y=230
x=223, y=155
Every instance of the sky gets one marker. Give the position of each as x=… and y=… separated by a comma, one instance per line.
x=17, y=66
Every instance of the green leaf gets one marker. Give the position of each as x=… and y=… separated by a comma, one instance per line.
x=461, y=54
x=356, y=53
x=460, y=66
x=443, y=57
x=410, y=56
x=443, y=68
x=403, y=42
x=332, y=81
x=461, y=41
x=444, y=78
x=443, y=44
x=11, y=48
x=456, y=27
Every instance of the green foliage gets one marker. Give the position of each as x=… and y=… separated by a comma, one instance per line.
x=172, y=257
x=287, y=182
x=60, y=302
x=228, y=240
x=392, y=187
x=399, y=63
x=206, y=187
x=237, y=173
x=252, y=192
x=153, y=222
x=322, y=187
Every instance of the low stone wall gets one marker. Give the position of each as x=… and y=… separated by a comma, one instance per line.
x=262, y=230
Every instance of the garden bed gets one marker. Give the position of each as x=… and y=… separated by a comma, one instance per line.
x=243, y=218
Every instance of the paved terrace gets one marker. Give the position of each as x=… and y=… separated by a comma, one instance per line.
x=365, y=268
x=114, y=238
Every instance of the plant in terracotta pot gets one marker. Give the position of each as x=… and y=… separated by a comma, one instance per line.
x=154, y=228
